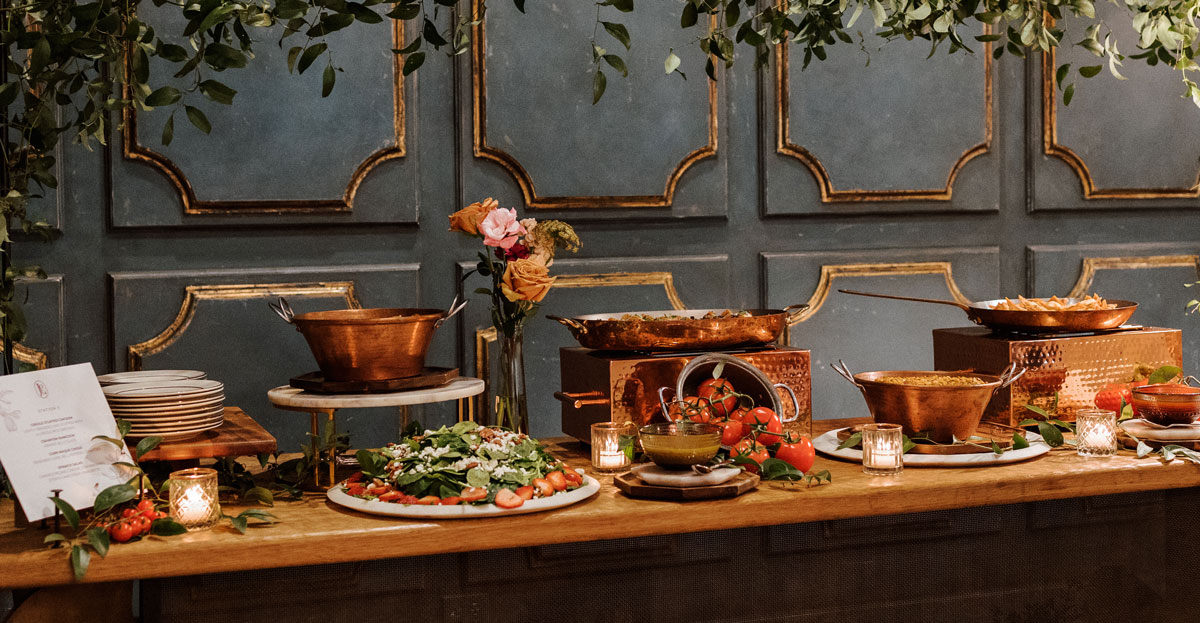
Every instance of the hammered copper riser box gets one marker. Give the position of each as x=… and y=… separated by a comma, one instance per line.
x=628, y=383
x=1073, y=367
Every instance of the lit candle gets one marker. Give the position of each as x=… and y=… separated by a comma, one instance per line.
x=609, y=440
x=193, y=494
x=1095, y=432
x=882, y=449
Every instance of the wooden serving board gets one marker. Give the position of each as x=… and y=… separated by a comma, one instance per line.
x=635, y=487
x=429, y=377
x=239, y=435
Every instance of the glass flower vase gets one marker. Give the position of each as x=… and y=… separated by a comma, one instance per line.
x=508, y=383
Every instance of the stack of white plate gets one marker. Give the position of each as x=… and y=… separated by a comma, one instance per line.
x=147, y=376
x=171, y=409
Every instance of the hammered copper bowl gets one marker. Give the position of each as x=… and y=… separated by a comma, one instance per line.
x=943, y=412
x=1167, y=404
x=369, y=344
x=680, y=445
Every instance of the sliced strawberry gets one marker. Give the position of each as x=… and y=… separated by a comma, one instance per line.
x=391, y=496
x=525, y=492
x=506, y=498
x=543, y=486
x=450, y=501
x=557, y=480
x=355, y=490
x=473, y=494
x=429, y=499
x=573, y=477
x=355, y=478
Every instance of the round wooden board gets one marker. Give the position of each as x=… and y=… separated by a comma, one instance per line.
x=429, y=377
x=633, y=486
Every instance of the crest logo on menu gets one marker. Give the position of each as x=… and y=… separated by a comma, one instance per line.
x=42, y=390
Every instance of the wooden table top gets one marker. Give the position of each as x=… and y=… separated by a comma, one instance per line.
x=314, y=531
x=239, y=435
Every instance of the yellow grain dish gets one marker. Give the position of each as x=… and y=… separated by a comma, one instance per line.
x=709, y=316
x=1093, y=302
x=932, y=380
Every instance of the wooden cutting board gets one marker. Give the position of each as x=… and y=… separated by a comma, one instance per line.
x=429, y=377
x=635, y=487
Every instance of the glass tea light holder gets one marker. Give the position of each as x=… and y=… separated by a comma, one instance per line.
x=882, y=449
x=193, y=494
x=1095, y=432
x=612, y=443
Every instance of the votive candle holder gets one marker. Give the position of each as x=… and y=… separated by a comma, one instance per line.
x=882, y=449
x=611, y=442
x=193, y=498
x=1095, y=432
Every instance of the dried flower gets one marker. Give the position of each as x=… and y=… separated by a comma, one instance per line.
x=544, y=236
x=467, y=219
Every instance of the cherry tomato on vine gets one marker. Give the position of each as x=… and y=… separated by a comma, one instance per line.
x=731, y=432
x=720, y=394
x=145, y=505
x=799, y=454
x=756, y=452
x=121, y=531
x=764, y=418
x=696, y=409
x=126, y=513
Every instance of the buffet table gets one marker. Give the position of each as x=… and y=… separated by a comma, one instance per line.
x=313, y=531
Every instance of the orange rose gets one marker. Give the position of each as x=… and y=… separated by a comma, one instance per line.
x=526, y=280
x=467, y=219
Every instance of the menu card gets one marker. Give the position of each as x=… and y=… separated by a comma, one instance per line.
x=48, y=419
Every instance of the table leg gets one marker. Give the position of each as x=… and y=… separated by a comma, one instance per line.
x=332, y=449
x=316, y=448
x=405, y=416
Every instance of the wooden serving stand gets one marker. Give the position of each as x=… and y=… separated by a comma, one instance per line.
x=239, y=435
x=635, y=487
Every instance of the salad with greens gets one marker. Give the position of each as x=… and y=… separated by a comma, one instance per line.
x=462, y=464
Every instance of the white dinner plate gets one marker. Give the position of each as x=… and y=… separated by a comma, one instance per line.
x=165, y=401
x=171, y=407
x=174, y=428
x=177, y=435
x=828, y=443
x=154, y=421
x=158, y=390
x=1156, y=432
x=462, y=511
x=150, y=376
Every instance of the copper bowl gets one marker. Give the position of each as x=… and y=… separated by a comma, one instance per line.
x=368, y=344
x=1167, y=404
x=943, y=412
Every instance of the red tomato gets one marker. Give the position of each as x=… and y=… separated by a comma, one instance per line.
x=506, y=498
x=141, y=525
x=473, y=494
x=145, y=505
x=126, y=513
x=692, y=408
x=799, y=454
x=121, y=531
x=731, y=432
x=752, y=450
x=1109, y=398
x=150, y=514
x=525, y=492
x=720, y=394
x=761, y=418
x=557, y=480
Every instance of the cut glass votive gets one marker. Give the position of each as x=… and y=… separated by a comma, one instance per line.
x=1095, y=432
x=611, y=446
x=882, y=449
x=193, y=498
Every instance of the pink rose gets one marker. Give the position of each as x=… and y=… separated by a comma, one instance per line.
x=500, y=228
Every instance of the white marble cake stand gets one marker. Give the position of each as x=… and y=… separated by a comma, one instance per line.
x=315, y=404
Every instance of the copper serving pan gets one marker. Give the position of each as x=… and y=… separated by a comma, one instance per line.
x=981, y=312
x=944, y=412
x=368, y=344
x=691, y=332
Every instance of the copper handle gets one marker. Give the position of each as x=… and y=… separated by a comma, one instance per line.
x=571, y=323
x=794, y=312
x=915, y=299
x=585, y=399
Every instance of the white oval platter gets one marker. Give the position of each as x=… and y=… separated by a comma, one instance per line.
x=827, y=444
x=462, y=511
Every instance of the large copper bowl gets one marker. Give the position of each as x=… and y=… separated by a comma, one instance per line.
x=943, y=412
x=369, y=344
x=686, y=329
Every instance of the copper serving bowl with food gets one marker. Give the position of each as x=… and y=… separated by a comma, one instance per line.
x=690, y=329
x=680, y=445
x=1037, y=315
x=368, y=344
x=1167, y=404
x=943, y=405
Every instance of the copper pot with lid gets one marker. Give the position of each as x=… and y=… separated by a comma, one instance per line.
x=368, y=344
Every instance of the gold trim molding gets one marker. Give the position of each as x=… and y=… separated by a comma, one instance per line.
x=195, y=293
x=829, y=194
x=830, y=272
x=30, y=356
x=488, y=335
x=1091, y=265
x=483, y=150
x=1051, y=147
x=134, y=151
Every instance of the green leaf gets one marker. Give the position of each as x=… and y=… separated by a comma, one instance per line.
x=1143, y=449
x=310, y=55
x=907, y=444
x=116, y=442
x=163, y=96
x=217, y=91
x=1038, y=410
x=79, y=561
x=1061, y=74
x=98, y=539
x=624, y=6
x=69, y=513
x=617, y=63
x=239, y=524
x=1068, y=94
x=150, y=443
x=8, y=94
x=672, y=62
x=1164, y=374
x=618, y=31
x=413, y=61
x=851, y=442
x=168, y=134
x=39, y=56
x=262, y=495
x=477, y=477
x=112, y=496
x=1019, y=442
x=166, y=527
x=123, y=427
x=327, y=80
x=54, y=537
x=690, y=15
x=996, y=449
x=1089, y=71
x=598, y=85
x=1050, y=434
